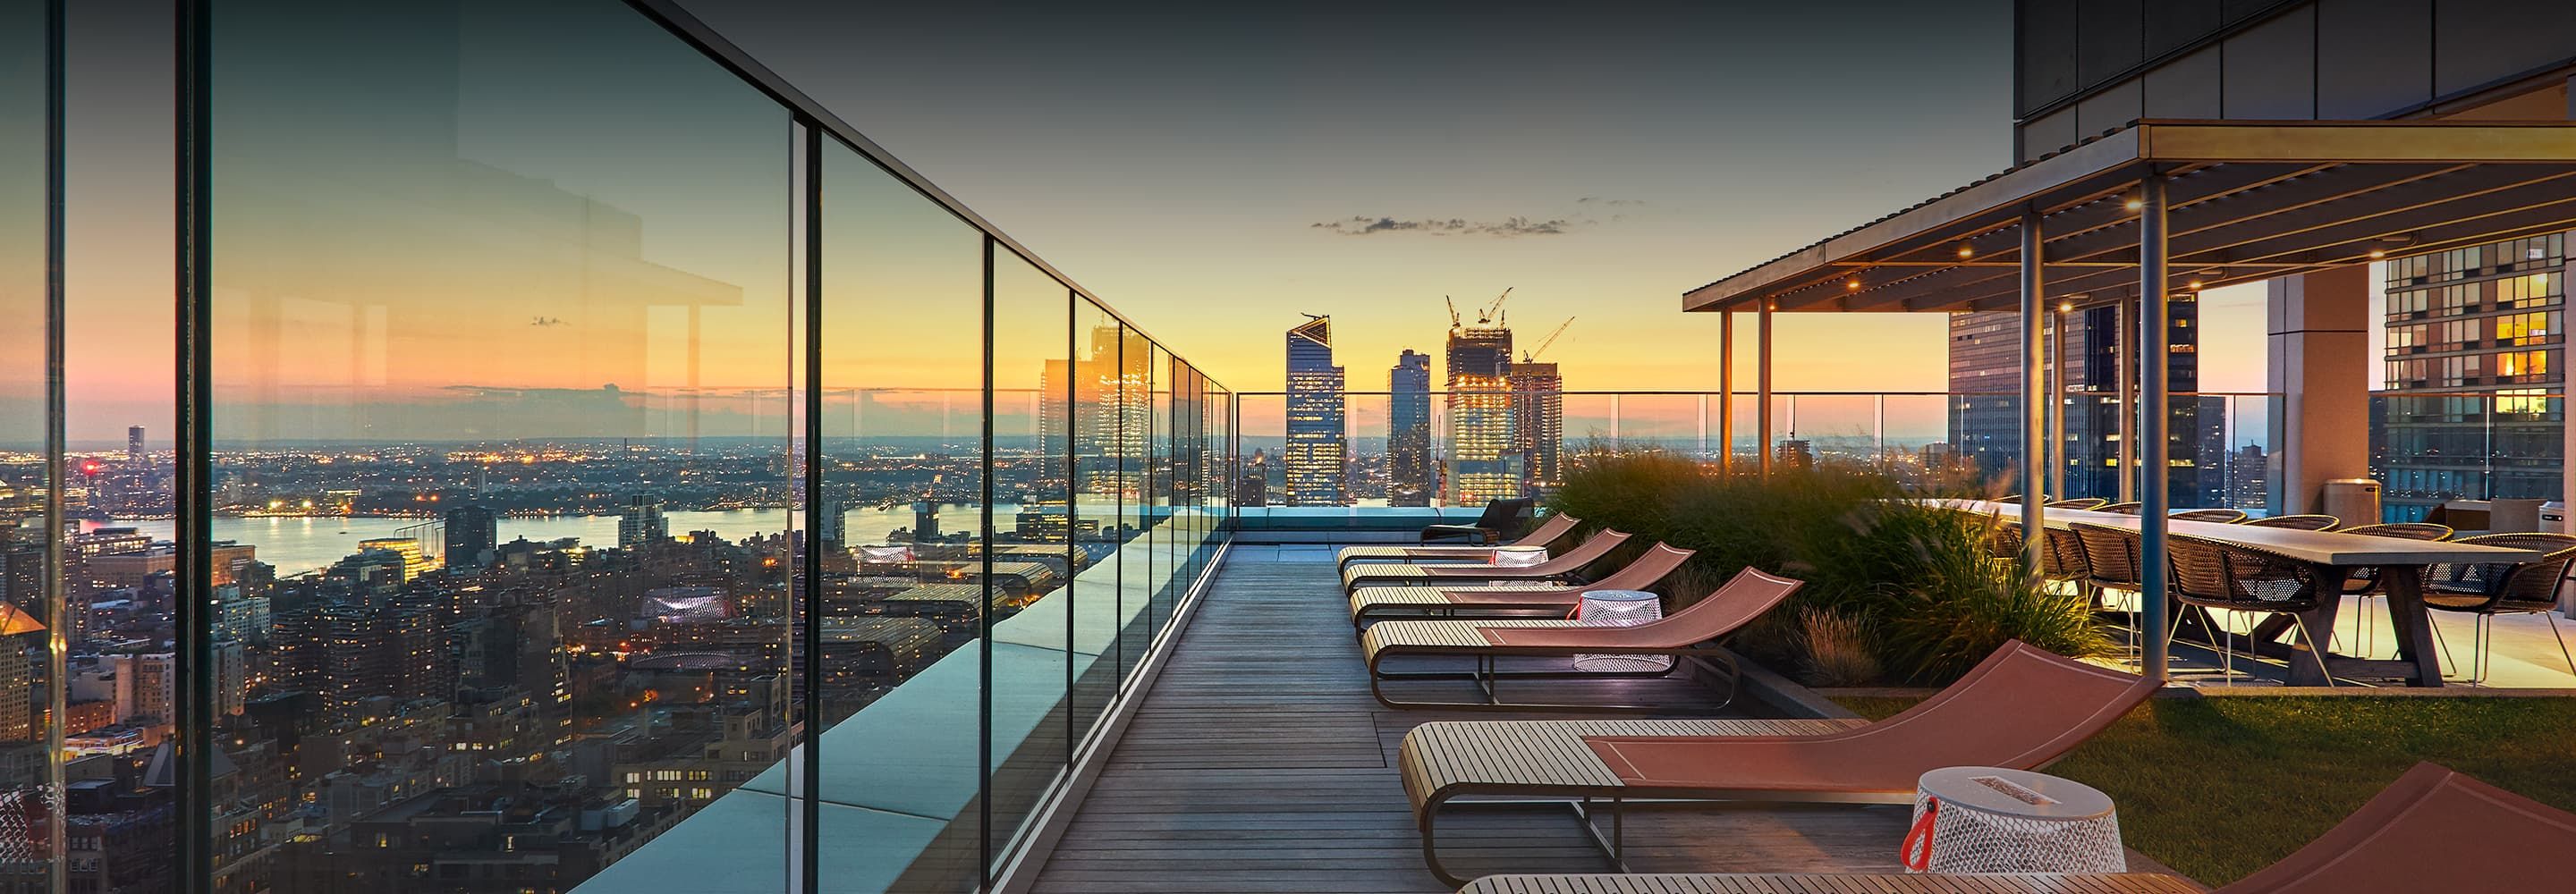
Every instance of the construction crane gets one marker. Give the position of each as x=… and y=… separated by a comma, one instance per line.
x=1532, y=354
x=1493, y=312
x=1453, y=310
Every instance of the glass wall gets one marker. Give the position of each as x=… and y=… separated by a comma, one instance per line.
x=533, y=326
x=31, y=687
x=500, y=385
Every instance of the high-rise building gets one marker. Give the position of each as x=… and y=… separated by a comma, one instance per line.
x=1985, y=389
x=1985, y=408
x=1484, y=463
x=1538, y=424
x=1317, y=454
x=473, y=533
x=1412, y=478
x=134, y=453
x=2479, y=325
x=641, y=524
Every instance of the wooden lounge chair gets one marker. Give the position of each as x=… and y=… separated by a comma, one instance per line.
x=1686, y=636
x=1547, y=532
x=1555, y=570
x=2432, y=830
x=2021, y=708
x=1378, y=603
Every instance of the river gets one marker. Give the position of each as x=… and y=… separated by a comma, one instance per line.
x=297, y=544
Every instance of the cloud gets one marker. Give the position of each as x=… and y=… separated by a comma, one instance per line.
x=1610, y=203
x=1364, y=225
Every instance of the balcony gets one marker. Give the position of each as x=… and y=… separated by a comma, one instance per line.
x=592, y=465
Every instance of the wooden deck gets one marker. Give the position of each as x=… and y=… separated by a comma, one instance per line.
x=1259, y=762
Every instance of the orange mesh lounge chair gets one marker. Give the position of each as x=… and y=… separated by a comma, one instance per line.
x=2021, y=708
x=1547, y=532
x=1686, y=636
x=1378, y=603
x=2431, y=830
x=1556, y=569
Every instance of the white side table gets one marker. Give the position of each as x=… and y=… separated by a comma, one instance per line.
x=1620, y=608
x=1990, y=819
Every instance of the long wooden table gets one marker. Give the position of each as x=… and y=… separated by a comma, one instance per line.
x=2335, y=556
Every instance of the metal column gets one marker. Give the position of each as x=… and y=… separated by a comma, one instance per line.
x=1762, y=383
x=1726, y=392
x=2034, y=405
x=2152, y=419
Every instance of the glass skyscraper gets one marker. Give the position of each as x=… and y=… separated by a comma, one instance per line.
x=1484, y=462
x=1317, y=451
x=1412, y=477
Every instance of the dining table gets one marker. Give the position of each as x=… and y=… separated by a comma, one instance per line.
x=2334, y=556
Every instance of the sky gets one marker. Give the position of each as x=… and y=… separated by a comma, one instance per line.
x=1211, y=173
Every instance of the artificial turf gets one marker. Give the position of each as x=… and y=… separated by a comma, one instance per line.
x=2218, y=787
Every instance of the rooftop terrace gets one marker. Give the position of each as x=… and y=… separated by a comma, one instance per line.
x=1258, y=761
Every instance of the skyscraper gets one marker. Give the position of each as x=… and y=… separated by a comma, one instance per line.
x=1538, y=424
x=1985, y=389
x=1316, y=451
x=1411, y=477
x=641, y=524
x=2480, y=322
x=134, y=454
x=473, y=532
x=1483, y=464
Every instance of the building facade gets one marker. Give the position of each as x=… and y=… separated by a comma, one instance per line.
x=1318, y=451
x=1538, y=424
x=1484, y=461
x=1412, y=475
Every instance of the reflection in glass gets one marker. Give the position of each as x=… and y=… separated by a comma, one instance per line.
x=500, y=309
x=31, y=689
x=905, y=585
x=1090, y=388
x=1029, y=551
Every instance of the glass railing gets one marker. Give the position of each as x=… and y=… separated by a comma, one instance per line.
x=2428, y=448
x=607, y=471
x=2220, y=454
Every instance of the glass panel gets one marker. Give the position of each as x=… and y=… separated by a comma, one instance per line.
x=1092, y=388
x=903, y=473
x=29, y=688
x=1135, y=428
x=1032, y=611
x=500, y=336
x=1164, y=484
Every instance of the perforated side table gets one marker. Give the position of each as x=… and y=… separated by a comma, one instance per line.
x=1620, y=608
x=1990, y=819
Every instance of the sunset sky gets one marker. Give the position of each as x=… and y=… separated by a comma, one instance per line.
x=1212, y=174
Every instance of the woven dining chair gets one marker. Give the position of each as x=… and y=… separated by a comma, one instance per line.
x=2296, y=522
x=2484, y=590
x=2218, y=575
x=2077, y=503
x=2364, y=584
x=2128, y=508
x=2110, y=565
x=2221, y=516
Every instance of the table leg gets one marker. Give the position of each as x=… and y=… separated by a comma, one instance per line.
x=2317, y=623
x=2414, y=626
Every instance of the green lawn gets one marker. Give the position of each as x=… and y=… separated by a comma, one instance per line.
x=2219, y=787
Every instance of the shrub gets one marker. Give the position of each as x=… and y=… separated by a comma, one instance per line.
x=1912, y=587
x=1839, y=651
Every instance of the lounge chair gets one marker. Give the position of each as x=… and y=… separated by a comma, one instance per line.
x=2433, y=829
x=1686, y=636
x=1559, y=569
x=2021, y=708
x=1547, y=532
x=1500, y=519
x=1378, y=603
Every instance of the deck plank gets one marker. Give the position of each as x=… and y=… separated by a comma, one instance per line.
x=1259, y=762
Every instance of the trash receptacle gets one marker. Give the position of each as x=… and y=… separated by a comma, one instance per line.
x=2553, y=517
x=2354, y=500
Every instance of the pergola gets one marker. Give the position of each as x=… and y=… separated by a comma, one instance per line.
x=2156, y=208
